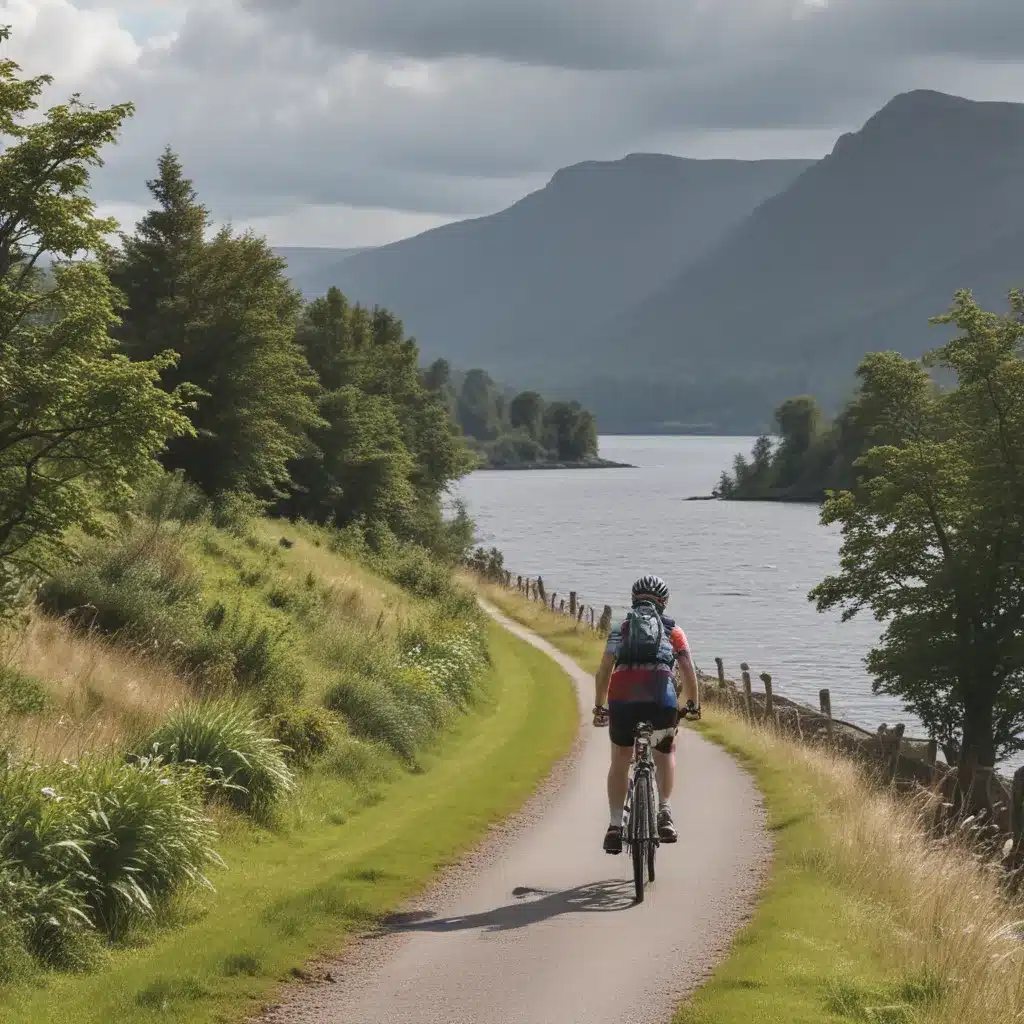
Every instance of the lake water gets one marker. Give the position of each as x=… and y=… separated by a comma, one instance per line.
x=739, y=572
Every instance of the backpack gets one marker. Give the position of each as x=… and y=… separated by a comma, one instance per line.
x=643, y=633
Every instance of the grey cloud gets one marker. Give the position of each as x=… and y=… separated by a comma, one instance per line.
x=646, y=34
x=270, y=113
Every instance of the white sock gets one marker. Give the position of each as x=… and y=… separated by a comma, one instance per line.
x=663, y=804
x=615, y=817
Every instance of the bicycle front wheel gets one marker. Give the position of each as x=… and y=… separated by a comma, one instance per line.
x=640, y=832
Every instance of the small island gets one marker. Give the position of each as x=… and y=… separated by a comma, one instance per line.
x=509, y=430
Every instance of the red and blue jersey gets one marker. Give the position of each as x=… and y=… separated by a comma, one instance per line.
x=647, y=684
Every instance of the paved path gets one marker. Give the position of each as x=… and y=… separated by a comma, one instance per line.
x=540, y=927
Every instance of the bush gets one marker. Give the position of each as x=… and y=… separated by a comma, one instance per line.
x=261, y=652
x=305, y=734
x=141, y=586
x=21, y=694
x=95, y=845
x=374, y=711
x=145, y=835
x=170, y=497
x=239, y=758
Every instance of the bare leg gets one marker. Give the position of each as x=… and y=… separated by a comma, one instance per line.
x=665, y=768
x=618, y=781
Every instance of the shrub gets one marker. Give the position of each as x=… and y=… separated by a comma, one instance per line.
x=375, y=712
x=234, y=511
x=95, y=845
x=261, y=652
x=142, y=586
x=145, y=835
x=304, y=733
x=21, y=694
x=238, y=757
x=170, y=496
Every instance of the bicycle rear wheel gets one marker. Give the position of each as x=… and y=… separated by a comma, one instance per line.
x=640, y=832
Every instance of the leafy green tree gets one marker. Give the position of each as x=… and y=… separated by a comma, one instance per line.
x=389, y=448
x=800, y=423
x=933, y=539
x=438, y=379
x=225, y=306
x=477, y=411
x=570, y=431
x=526, y=412
x=79, y=423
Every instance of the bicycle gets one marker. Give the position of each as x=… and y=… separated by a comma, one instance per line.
x=640, y=829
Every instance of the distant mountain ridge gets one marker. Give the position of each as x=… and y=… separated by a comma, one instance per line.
x=505, y=290
x=854, y=256
x=657, y=289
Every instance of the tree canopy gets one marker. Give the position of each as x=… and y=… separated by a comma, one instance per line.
x=225, y=306
x=933, y=537
x=79, y=422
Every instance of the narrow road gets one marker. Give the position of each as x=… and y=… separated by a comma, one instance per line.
x=541, y=928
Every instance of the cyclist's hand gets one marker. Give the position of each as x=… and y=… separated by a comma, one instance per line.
x=600, y=717
x=691, y=712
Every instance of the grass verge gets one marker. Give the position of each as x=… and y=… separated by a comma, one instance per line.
x=352, y=854
x=862, y=918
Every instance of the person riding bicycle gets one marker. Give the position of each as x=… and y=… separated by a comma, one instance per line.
x=645, y=670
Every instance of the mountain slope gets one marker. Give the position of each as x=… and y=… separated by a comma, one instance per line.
x=308, y=264
x=513, y=290
x=855, y=256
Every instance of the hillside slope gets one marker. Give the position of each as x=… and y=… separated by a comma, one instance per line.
x=854, y=256
x=513, y=290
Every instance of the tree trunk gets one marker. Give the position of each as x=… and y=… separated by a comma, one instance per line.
x=978, y=750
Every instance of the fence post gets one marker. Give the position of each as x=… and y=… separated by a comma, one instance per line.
x=825, y=700
x=606, y=619
x=592, y=626
x=561, y=607
x=541, y=593
x=572, y=603
x=553, y=596
x=769, y=702
x=931, y=756
x=1017, y=814
x=895, y=747
x=748, y=694
x=721, y=671
x=579, y=617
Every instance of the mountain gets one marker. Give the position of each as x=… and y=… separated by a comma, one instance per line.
x=854, y=256
x=307, y=265
x=514, y=290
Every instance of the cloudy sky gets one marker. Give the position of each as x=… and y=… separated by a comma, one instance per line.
x=354, y=122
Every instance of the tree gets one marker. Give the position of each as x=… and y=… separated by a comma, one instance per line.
x=227, y=308
x=78, y=422
x=477, y=410
x=570, y=430
x=526, y=412
x=799, y=420
x=389, y=448
x=933, y=540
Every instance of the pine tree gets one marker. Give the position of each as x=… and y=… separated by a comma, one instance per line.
x=225, y=306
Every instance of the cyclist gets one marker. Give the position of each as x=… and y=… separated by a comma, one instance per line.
x=642, y=680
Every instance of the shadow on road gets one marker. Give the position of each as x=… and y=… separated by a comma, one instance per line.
x=596, y=897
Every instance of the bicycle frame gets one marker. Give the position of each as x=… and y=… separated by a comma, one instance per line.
x=642, y=763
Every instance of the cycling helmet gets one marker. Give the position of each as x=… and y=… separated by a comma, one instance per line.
x=651, y=588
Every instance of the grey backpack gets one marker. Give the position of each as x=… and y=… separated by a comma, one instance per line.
x=643, y=634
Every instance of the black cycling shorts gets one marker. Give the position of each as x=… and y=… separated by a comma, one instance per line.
x=624, y=717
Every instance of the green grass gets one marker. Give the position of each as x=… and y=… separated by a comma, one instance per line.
x=808, y=956
x=348, y=854
x=814, y=951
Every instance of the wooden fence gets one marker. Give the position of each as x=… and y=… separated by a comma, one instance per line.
x=908, y=763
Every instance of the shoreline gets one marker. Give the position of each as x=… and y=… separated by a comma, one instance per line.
x=586, y=464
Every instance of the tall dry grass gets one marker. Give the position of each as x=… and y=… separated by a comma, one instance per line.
x=103, y=695
x=940, y=913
